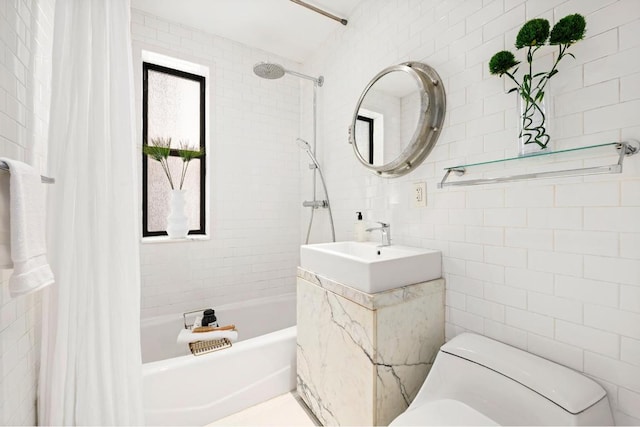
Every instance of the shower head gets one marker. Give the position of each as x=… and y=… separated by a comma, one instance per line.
x=303, y=144
x=306, y=147
x=271, y=71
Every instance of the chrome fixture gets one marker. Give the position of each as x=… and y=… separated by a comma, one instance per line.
x=315, y=204
x=385, y=229
x=321, y=12
x=271, y=71
x=625, y=149
x=420, y=91
x=44, y=179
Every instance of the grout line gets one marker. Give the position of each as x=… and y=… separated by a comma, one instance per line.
x=304, y=406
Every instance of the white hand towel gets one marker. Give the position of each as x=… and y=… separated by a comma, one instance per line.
x=31, y=270
x=186, y=336
x=5, y=226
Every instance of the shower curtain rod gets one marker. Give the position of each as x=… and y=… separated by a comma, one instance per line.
x=5, y=167
x=320, y=11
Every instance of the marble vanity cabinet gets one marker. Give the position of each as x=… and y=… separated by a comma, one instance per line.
x=363, y=357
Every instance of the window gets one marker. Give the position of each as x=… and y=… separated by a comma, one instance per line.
x=364, y=132
x=173, y=106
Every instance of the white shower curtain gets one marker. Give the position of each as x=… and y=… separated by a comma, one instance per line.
x=91, y=368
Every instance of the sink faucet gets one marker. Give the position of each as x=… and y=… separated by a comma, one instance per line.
x=386, y=232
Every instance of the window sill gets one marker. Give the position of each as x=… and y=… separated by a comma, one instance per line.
x=166, y=239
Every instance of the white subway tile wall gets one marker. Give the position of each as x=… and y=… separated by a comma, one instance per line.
x=26, y=35
x=550, y=266
x=253, y=178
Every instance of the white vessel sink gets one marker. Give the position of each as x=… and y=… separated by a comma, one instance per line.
x=369, y=268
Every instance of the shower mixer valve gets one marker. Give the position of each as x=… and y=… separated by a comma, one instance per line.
x=315, y=204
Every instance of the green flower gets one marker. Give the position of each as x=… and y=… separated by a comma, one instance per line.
x=502, y=62
x=533, y=33
x=188, y=153
x=568, y=30
x=159, y=150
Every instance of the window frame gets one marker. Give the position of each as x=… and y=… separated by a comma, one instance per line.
x=369, y=122
x=201, y=80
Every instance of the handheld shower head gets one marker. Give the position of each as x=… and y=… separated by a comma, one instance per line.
x=306, y=147
x=303, y=144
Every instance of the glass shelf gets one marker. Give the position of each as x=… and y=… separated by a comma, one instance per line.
x=625, y=149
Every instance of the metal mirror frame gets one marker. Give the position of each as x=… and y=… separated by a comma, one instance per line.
x=432, y=112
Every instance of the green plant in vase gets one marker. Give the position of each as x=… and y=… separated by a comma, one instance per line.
x=533, y=35
x=160, y=149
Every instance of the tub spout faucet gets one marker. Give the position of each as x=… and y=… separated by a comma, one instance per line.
x=385, y=229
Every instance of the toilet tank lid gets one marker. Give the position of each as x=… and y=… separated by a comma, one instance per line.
x=565, y=387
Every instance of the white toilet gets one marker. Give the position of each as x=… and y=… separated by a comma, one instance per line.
x=478, y=381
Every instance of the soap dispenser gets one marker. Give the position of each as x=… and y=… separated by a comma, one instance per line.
x=359, y=233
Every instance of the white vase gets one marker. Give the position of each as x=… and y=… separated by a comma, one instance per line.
x=533, y=127
x=177, y=221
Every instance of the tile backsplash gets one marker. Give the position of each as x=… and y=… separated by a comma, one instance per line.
x=252, y=250
x=551, y=266
x=26, y=35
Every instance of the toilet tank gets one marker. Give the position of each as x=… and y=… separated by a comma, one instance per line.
x=513, y=387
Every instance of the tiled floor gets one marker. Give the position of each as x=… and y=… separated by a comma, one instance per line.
x=284, y=410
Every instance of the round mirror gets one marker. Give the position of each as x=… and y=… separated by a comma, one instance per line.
x=398, y=119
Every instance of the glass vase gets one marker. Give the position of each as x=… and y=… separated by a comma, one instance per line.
x=177, y=221
x=533, y=127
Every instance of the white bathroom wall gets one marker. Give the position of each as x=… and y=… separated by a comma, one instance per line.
x=253, y=177
x=26, y=34
x=551, y=266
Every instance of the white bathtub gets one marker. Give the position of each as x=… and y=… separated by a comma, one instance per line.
x=182, y=389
